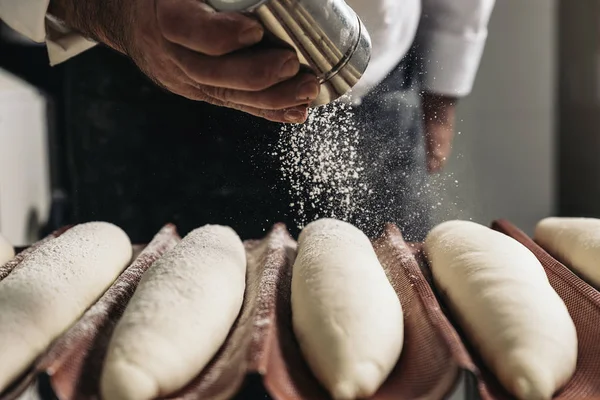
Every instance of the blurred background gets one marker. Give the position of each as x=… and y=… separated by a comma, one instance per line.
x=506, y=157
x=527, y=145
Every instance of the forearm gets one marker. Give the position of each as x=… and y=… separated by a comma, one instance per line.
x=101, y=21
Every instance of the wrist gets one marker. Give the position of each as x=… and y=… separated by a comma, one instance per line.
x=439, y=108
x=101, y=21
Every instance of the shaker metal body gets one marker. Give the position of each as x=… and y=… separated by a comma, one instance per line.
x=328, y=36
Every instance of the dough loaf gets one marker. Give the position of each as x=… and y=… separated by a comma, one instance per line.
x=506, y=306
x=178, y=318
x=575, y=241
x=6, y=251
x=53, y=287
x=346, y=315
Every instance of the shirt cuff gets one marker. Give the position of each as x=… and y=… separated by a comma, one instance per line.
x=26, y=17
x=29, y=18
x=450, y=62
x=62, y=43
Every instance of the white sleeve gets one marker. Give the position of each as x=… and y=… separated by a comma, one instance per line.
x=29, y=18
x=451, y=39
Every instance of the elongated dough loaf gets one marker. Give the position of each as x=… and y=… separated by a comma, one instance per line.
x=575, y=241
x=506, y=306
x=346, y=315
x=52, y=287
x=178, y=318
x=7, y=252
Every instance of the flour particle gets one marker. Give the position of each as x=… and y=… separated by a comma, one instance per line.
x=321, y=165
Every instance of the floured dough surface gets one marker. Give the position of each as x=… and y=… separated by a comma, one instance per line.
x=7, y=252
x=575, y=241
x=178, y=318
x=501, y=295
x=53, y=287
x=346, y=316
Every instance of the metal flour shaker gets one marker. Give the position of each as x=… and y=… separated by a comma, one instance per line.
x=328, y=36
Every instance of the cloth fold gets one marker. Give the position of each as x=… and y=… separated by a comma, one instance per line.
x=261, y=356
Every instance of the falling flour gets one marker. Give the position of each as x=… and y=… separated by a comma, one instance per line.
x=321, y=165
x=334, y=167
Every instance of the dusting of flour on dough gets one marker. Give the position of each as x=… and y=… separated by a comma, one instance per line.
x=105, y=311
x=53, y=287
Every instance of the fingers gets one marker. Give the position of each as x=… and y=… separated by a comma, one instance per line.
x=297, y=114
x=194, y=25
x=300, y=90
x=439, y=113
x=206, y=50
x=247, y=70
x=438, y=145
x=435, y=164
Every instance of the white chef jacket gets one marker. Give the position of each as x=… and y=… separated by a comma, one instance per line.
x=451, y=36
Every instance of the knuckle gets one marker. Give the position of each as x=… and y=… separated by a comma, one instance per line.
x=223, y=38
x=219, y=47
x=262, y=76
x=200, y=96
x=218, y=97
x=207, y=74
x=202, y=74
x=174, y=22
x=220, y=93
x=269, y=114
x=276, y=116
x=262, y=72
x=197, y=96
x=230, y=104
x=166, y=16
x=192, y=67
x=273, y=101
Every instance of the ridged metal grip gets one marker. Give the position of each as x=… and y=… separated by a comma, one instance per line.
x=328, y=36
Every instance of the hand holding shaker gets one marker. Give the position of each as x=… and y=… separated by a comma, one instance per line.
x=328, y=36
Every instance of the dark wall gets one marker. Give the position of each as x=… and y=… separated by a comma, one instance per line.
x=579, y=108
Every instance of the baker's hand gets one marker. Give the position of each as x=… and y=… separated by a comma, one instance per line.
x=189, y=49
x=439, y=118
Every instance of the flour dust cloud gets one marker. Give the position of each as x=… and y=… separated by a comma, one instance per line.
x=332, y=171
x=321, y=165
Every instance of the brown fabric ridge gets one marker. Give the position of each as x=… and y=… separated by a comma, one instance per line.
x=483, y=381
x=433, y=355
x=583, y=303
x=261, y=342
x=73, y=363
x=261, y=347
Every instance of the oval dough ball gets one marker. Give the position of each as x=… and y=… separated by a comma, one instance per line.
x=178, y=318
x=575, y=241
x=53, y=287
x=7, y=252
x=501, y=296
x=346, y=316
